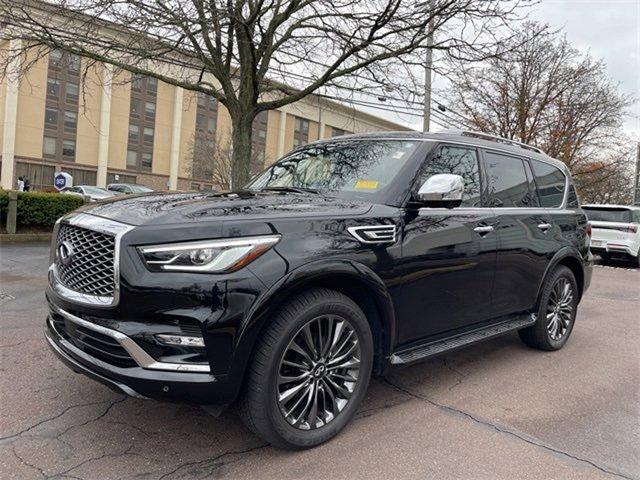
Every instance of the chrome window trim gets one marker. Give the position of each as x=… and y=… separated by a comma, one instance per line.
x=521, y=157
x=139, y=355
x=98, y=224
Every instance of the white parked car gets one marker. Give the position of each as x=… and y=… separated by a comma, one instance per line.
x=615, y=230
x=94, y=193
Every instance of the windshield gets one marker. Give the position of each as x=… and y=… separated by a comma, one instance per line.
x=139, y=189
x=353, y=169
x=618, y=215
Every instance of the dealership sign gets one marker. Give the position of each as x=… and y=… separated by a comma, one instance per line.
x=62, y=180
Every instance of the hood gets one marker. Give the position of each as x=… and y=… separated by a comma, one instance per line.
x=181, y=208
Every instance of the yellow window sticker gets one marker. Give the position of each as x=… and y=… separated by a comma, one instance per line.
x=367, y=184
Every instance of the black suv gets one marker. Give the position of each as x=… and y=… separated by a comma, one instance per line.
x=343, y=258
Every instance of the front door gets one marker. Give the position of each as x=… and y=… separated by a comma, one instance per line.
x=448, y=255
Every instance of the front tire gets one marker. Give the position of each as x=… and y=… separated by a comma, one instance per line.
x=556, y=312
x=310, y=371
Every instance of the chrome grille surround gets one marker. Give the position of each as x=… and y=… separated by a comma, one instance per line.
x=92, y=276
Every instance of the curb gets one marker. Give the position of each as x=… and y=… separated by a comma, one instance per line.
x=24, y=237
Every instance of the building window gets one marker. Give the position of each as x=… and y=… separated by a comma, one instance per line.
x=53, y=88
x=61, y=108
x=205, y=136
x=150, y=110
x=148, y=136
x=72, y=91
x=70, y=121
x=338, y=132
x=69, y=148
x=300, y=132
x=134, y=132
x=51, y=117
x=142, y=114
x=146, y=161
x=134, y=107
x=132, y=159
x=49, y=146
x=259, y=139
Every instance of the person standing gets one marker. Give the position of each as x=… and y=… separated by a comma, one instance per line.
x=20, y=184
x=27, y=184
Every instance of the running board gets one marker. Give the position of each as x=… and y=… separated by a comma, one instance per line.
x=452, y=343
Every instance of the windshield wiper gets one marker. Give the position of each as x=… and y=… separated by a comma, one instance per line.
x=290, y=189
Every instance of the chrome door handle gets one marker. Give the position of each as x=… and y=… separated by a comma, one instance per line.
x=544, y=226
x=483, y=229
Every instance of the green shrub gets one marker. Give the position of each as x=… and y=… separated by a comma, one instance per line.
x=39, y=209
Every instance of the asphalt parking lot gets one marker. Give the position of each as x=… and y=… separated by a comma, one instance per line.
x=496, y=410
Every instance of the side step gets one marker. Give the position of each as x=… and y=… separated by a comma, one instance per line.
x=452, y=343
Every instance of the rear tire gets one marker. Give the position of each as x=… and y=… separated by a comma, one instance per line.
x=556, y=312
x=303, y=349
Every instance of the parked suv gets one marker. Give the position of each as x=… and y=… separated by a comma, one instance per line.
x=343, y=258
x=616, y=231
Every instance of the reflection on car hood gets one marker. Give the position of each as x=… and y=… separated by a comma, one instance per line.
x=177, y=208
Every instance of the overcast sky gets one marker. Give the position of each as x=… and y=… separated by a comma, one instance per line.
x=609, y=29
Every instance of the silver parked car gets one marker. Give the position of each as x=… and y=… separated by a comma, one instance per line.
x=93, y=193
x=127, y=188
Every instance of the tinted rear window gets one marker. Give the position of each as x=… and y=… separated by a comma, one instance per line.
x=508, y=184
x=551, y=184
x=618, y=215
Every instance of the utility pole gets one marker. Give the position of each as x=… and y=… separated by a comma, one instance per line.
x=428, y=67
x=636, y=183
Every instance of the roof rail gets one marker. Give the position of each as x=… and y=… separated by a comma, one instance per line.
x=494, y=138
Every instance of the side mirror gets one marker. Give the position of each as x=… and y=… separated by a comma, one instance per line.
x=442, y=190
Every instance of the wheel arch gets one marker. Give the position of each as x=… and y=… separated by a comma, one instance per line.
x=569, y=258
x=352, y=279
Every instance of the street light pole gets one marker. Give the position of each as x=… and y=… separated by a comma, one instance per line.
x=428, y=67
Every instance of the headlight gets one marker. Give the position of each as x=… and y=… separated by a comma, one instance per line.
x=210, y=256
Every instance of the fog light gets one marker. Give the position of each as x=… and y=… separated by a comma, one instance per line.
x=181, y=340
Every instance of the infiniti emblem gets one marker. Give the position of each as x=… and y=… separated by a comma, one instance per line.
x=65, y=252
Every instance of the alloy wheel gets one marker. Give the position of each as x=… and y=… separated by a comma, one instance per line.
x=560, y=309
x=318, y=372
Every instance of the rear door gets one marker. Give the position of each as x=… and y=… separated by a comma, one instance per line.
x=448, y=254
x=525, y=232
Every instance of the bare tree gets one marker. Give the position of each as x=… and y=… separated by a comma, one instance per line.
x=608, y=181
x=212, y=160
x=257, y=55
x=547, y=94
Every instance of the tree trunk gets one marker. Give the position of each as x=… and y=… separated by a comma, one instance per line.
x=241, y=155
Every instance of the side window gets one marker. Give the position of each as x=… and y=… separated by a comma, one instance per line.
x=508, y=185
x=551, y=184
x=459, y=161
x=636, y=216
x=572, y=197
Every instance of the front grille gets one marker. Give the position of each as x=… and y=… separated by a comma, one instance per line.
x=91, y=266
x=93, y=343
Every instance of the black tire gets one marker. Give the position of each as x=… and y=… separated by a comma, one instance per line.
x=259, y=407
x=605, y=258
x=539, y=335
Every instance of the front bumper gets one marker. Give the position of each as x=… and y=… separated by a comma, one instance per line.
x=150, y=381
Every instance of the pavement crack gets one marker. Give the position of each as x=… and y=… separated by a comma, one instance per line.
x=11, y=437
x=212, y=461
x=30, y=465
x=99, y=417
x=503, y=430
x=65, y=473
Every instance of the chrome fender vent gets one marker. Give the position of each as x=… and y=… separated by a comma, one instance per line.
x=374, y=233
